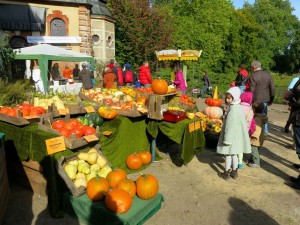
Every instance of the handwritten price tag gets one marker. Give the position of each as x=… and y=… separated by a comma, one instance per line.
x=91, y=138
x=89, y=109
x=197, y=125
x=107, y=133
x=191, y=127
x=63, y=111
x=55, y=145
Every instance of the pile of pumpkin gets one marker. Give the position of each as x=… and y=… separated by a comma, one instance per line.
x=211, y=118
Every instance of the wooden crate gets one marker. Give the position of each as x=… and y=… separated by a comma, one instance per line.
x=160, y=103
x=4, y=184
x=70, y=184
x=72, y=142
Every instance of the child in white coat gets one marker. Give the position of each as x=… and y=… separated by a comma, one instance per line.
x=234, y=137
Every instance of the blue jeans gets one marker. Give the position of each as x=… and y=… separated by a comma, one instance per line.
x=265, y=111
x=242, y=88
x=203, y=91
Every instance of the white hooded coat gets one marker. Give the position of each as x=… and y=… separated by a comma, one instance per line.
x=234, y=137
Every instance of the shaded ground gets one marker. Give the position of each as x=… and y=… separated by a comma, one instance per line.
x=194, y=194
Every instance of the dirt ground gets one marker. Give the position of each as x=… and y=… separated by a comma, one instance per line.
x=194, y=194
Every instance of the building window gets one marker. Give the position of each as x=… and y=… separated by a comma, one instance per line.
x=58, y=28
x=17, y=42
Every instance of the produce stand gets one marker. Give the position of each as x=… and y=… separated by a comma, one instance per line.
x=128, y=135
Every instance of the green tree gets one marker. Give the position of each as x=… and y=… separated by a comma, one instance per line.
x=6, y=57
x=141, y=29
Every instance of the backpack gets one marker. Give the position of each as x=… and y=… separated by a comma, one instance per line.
x=120, y=77
x=128, y=77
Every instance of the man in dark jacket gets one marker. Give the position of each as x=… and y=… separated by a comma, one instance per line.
x=263, y=88
x=86, y=77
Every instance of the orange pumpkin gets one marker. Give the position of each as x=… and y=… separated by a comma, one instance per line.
x=134, y=161
x=118, y=201
x=159, y=86
x=213, y=112
x=146, y=186
x=5, y=110
x=115, y=176
x=146, y=157
x=96, y=187
x=213, y=102
x=141, y=100
x=107, y=112
x=127, y=185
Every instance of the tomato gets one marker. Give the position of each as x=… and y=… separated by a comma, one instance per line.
x=12, y=112
x=25, y=112
x=87, y=130
x=26, y=105
x=78, y=131
x=40, y=109
x=4, y=110
x=58, y=124
x=65, y=132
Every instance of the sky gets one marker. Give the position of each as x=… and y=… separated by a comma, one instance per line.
x=295, y=4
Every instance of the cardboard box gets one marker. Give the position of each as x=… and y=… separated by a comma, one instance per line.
x=158, y=104
x=70, y=184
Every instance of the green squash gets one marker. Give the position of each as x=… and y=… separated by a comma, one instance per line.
x=95, y=119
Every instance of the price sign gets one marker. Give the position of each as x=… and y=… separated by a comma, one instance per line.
x=191, y=127
x=197, y=125
x=63, y=111
x=89, y=109
x=55, y=145
x=142, y=110
x=91, y=138
x=107, y=133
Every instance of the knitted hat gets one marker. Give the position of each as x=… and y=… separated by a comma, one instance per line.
x=235, y=92
x=247, y=97
x=127, y=65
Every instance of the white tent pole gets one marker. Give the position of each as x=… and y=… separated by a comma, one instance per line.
x=28, y=71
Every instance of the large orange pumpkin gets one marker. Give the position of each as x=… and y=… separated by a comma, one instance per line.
x=134, y=161
x=213, y=112
x=115, y=176
x=127, y=185
x=118, y=201
x=96, y=187
x=213, y=102
x=146, y=157
x=159, y=86
x=146, y=186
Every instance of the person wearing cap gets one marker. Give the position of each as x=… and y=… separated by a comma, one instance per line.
x=242, y=78
x=86, y=77
x=234, y=137
x=263, y=88
x=129, y=77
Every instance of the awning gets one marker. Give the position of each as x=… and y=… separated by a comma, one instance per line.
x=22, y=17
x=174, y=55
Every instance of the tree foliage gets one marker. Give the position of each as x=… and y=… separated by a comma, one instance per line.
x=141, y=29
x=6, y=57
x=266, y=31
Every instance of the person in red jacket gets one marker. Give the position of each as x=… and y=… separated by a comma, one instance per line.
x=144, y=75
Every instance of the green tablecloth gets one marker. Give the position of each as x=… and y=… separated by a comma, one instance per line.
x=95, y=213
x=192, y=142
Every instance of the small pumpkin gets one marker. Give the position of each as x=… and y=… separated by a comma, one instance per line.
x=107, y=112
x=146, y=157
x=159, y=86
x=115, y=176
x=118, y=201
x=96, y=187
x=146, y=186
x=134, y=161
x=213, y=112
x=213, y=102
x=127, y=185
x=141, y=100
